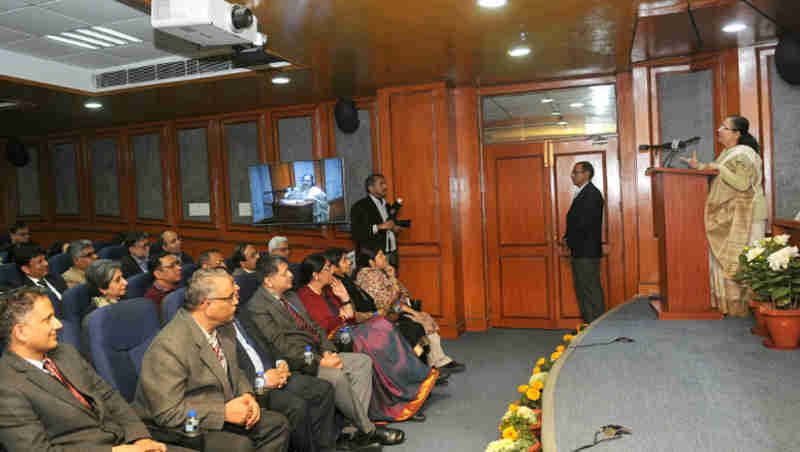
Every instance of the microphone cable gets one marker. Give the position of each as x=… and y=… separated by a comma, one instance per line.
x=607, y=433
x=622, y=339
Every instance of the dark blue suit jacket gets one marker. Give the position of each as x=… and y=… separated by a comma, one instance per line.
x=584, y=235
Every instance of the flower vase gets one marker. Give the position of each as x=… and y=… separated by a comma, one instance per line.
x=761, y=326
x=784, y=328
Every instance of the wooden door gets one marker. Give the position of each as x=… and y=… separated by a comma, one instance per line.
x=604, y=158
x=518, y=225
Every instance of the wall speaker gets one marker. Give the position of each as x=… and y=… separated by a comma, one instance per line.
x=787, y=58
x=16, y=153
x=346, y=115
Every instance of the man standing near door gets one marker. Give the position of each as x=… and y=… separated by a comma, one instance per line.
x=370, y=222
x=584, y=240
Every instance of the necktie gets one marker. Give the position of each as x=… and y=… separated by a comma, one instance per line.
x=50, y=366
x=301, y=322
x=220, y=356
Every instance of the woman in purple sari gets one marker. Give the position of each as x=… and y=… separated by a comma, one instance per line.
x=401, y=382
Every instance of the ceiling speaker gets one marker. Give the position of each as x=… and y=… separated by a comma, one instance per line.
x=787, y=59
x=346, y=115
x=16, y=153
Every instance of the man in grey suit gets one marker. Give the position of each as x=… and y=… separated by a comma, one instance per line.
x=50, y=398
x=280, y=318
x=192, y=365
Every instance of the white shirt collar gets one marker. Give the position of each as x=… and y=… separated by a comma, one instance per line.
x=39, y=364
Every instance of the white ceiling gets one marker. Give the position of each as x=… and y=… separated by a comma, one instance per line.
x=23, y=24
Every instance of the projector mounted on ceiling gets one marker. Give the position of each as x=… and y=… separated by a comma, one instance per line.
x=208, y=23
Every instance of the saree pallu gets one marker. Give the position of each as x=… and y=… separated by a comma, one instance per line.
x=400, y=381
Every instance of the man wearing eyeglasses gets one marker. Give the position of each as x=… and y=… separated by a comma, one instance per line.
x=584, y=240
x=279, y=246
x=192, y=365
x=82, y=253
x=166, y=269
x=135, y=262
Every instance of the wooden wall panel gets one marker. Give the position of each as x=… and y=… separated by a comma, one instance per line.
x=529, y=300
x=423, y=278
x=628, y=154
x=518, y=225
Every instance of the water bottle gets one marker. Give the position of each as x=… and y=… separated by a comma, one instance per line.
x=345, y=340
x=192, y=426
x=308, y=356
x=260, y=383
x=396, y=308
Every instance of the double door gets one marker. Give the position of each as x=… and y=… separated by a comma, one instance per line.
x=528, y=194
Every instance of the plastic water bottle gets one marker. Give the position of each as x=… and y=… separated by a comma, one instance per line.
x=260, y=383
x=192, y=426
x=344, y=336
x=308, y=356
x=396, y=308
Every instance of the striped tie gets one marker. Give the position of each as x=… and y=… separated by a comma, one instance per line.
x=301, y=322
x=220, y=356
x=50, y=366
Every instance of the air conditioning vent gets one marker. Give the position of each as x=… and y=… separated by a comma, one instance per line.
x=142, y=74
x=114, y=78
x=214, y=64
x=171, y=70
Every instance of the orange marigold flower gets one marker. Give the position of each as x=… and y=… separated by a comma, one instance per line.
x=522, y=388
x=537, y=369
x=510, y=433
x=554, y=356
x=541, y=361
x=537, y=385
x=560, y=348
x=533, y=394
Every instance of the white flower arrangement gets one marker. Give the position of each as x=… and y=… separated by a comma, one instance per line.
x=782, y=239
x=501, y=445
x=528, y=414
x=779, y=260
x=539, y=376
x=754, y=253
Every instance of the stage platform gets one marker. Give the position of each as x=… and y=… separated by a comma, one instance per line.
x=683, y=385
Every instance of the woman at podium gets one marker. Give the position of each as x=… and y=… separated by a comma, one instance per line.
x=736, y=210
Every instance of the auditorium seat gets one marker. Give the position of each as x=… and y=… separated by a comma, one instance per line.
x=187, y=270
x=76, y=301
x=117, y=344
x=59, y=263
x=100, y=245
x=248, y=284
x=171, y=304
x=10, y=275
x=229, y=264
x=113, y=252
x=138, y=285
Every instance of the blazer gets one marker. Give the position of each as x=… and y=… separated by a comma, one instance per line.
x=129, y=267
x=269, y=321
x=363, y=215
x=585, y=223
x=56, y=281
x=180, y=372
x=265, y=350
x=38, y=413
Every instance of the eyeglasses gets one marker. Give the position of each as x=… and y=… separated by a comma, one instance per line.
x=577, y=171
x=726, y=128
x=228, y=299
x=285, y=248
x=172, y=265
x=92, y=254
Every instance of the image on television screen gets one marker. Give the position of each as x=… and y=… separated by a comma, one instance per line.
x=298, y=192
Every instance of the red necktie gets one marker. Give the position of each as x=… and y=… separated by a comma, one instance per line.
x=218, y=350
x=301, y=322
x=50, y=366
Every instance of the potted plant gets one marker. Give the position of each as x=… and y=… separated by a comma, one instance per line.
x=754, y=272
x=782, y=281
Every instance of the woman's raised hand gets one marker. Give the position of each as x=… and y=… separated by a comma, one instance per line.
x=692, y=162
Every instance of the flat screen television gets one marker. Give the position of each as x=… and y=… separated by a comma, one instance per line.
x=302, y=192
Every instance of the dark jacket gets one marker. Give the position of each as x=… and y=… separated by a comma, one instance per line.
x=584, y=234
x=363, y=216
x=129, y=267
x=58, y=283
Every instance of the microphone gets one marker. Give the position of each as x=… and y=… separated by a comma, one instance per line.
x=677, y=144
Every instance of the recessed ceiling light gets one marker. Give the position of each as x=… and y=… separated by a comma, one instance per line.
x=117, y=34
x=519, y=51
x=576, y=105
x=93, y=105
x=280, y=80
x=277, y=64
x=71, y=41
x=562, y=123
x=547, y=100
x=734, y=28
x=491, y=3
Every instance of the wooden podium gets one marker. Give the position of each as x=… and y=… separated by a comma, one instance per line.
x=679, y=198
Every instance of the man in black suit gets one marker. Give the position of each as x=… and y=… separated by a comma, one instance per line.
x=584, y=240
x=370, y=223
x=135, y=262
x=34, y=270
x=170, y=242
x=50, y=397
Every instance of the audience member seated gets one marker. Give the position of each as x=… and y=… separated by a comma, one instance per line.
x=106, y=283
x=279, y=318
x=170, y=242
x=135, y=260
x=58, y=247
x=211, y=259
x=279, y=246
x=50, y=397
x=33, y=267
x=364, y=305
x=82, y=253
x=308, y=402
x=381, y=283
x=244, y=259
x=192, y=365
x=400, y=382
x=18, y=234
x=166, y=270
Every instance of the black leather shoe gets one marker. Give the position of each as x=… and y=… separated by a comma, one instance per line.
x=419, y=416
x=388, y=436
x=360, y=442
x=442, y=381
x=444, y=373
x=454, y=367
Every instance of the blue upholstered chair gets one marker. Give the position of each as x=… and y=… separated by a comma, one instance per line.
x=138, y=285
x=171, y=304
x=119, y=335
x=248, y=284
x=10, y=275
x=60, y=263
x=113, y=252
x=187, y=270
x=74, y=306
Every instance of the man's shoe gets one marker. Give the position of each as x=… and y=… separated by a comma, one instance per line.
x=454, y=367
x=360, y=442
x=442, y=381
x=419, y=416
x=444, y=373
x=388, y=436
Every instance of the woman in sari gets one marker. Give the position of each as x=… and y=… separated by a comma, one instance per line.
x=379, y=280
x=401, y=382
x=736, y=211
